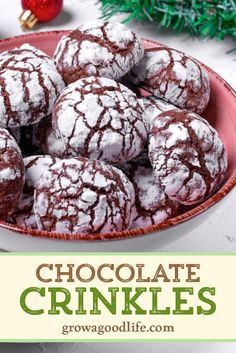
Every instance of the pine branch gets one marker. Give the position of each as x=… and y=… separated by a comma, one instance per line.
x=201, y=18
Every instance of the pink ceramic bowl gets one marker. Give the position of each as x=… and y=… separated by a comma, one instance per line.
x=221, y=113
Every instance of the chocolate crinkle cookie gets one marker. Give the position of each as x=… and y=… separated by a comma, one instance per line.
x=99, y=118
x=153, y=106
x=11, y=174
x=24, y=215
x=46, y=138
x=29, y=86
x=153, y=206
x=35, y=166
x=98, y=48
x=187, y=155
x=173, y=76
x=84, y=196
x=110, y=135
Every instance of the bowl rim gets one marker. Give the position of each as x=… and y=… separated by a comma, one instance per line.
x=224, y=190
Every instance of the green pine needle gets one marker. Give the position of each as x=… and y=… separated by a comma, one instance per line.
x=201, y=18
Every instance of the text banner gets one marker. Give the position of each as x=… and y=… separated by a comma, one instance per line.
x=128, y=296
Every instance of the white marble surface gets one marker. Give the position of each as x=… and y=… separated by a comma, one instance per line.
x=214, y=232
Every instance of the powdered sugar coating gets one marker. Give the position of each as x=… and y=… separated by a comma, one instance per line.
x=98, y=48
x=99, y=118
x=24, y=216
x=153, y=206
x=187, y=155
x=35, y=166
x=173, y=76
x=29, y=86
x=25, y=220
x=153, y=107
x=47, y=138
x=83, y=196
x=11, y=174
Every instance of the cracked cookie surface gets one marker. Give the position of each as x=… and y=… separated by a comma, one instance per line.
x=24, y=216
x=83, y=196
x=173, y=76
x=153, y=106
x=29, y=86
x=99, y=118
x=11, y=174
x=187, y=155
x=46, y=138
x=98, y=48
x=153, y=206
x=35, y=166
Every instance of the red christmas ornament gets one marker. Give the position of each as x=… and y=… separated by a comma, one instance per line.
x=39, y=11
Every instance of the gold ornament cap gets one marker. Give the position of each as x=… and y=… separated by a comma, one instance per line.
x=27, y=19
